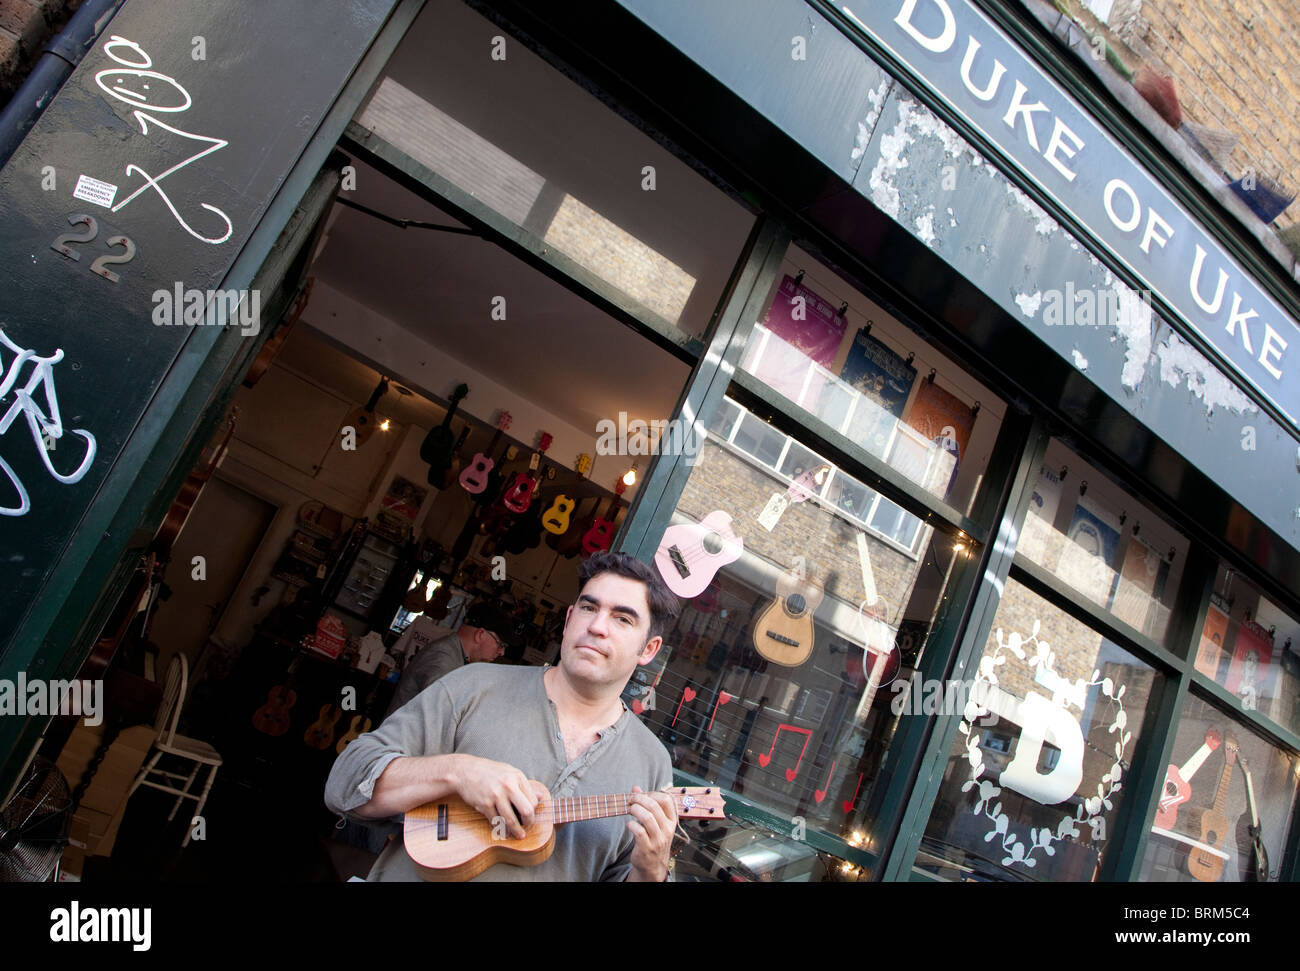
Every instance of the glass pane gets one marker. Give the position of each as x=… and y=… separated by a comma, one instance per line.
x=835, y=354
x=801, y=624
x=732, y=850
x=1036, y=772
x=1103, y=543
x=1252, y=647
x=1205, y=828
x=546, y=155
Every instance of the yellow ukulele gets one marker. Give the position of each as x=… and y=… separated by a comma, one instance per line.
x=449, y=840
x=784, y=631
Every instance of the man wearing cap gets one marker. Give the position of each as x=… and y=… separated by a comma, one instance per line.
x=482, y=637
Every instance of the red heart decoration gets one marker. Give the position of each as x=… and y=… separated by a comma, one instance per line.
x=790, y=774
x=637, y=707
x=764, y=759
x=848, y=804
x=819, y=795
x=688, y=694
x=723, y=697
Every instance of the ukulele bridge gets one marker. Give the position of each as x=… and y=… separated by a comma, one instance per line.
x=442, y=821
x=782, y=639
x=679, y=561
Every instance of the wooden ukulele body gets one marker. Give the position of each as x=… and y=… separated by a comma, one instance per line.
x=466, y=847
x=784, y=632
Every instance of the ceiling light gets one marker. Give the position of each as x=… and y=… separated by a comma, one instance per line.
x=629, y=477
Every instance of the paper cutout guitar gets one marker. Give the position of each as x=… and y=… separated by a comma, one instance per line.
x=690, y=555
x=1201, y=864
x=784, y=632
x=1178, y=788
x=449, y=840
x=1258, y=852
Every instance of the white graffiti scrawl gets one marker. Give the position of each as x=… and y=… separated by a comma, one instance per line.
x=46, y=425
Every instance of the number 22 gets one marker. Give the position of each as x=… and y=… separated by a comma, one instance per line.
x=99, y=266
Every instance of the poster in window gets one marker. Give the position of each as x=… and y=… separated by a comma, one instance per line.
x=1042, y=513
x=802, y=327
x=403, y=500
x=883, y=381
x=946, y=421
x=1248, y=671
x=1141, y=585
x=1086, y=559
x=1212, y=636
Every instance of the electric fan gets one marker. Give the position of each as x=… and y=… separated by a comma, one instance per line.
x=34, y=825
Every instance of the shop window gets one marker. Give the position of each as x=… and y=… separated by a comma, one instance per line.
x=1103, y=543
x=1225, y=806
x=524, y=141
x=1251, y=647
x=1037, y=771
x=838, y=356
x=801, y=624
x=732, y=850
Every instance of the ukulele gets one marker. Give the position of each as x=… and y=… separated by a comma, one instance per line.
x=1178, y=788
x=273, y=717
x=556, y=519
x=1258, y=853
x=362, y=420
x=320, y=733
x=690, y=555
x=1205, y=866
x=784, y=631
x=518, y=495
x=567, y=541
x=475, y=478
x=453, y=468
x=601, y=534
x=436, y=449
x=449, y=840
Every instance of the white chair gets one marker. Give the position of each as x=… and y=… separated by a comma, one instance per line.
x=169, y=743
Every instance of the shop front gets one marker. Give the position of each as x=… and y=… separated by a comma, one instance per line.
x=961, y=420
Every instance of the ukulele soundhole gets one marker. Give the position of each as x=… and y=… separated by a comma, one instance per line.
x=712, y=544
x=796, y=604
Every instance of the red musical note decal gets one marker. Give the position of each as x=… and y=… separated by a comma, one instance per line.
x=688, y=694
x=723, y=698
x=848, y=803
x=820, y=794
x=789, y=773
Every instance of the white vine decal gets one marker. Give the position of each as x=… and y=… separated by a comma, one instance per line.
x=1090, y=811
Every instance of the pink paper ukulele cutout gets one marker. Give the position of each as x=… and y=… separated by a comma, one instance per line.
x=790, y=774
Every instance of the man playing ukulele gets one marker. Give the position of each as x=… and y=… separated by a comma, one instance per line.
x=483, y=731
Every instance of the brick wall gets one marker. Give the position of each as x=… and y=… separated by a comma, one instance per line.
x=1236, y=67
x=25, y=27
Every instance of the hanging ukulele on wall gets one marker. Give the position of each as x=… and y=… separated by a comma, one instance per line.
x=784, y=632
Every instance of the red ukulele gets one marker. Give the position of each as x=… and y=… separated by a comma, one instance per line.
x=519, y=493
x=1178, y=782
x=601, y=534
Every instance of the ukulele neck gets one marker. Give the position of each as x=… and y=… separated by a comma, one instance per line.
x=573, y=809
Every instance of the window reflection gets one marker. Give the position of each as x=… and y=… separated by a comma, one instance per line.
x=1226, y=804
x=1036, y=774
x=777, y=681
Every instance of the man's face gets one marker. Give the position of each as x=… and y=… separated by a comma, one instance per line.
x=607, y=632
x=484, y=646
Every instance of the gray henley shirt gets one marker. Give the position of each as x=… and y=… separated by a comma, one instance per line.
x=503, y=713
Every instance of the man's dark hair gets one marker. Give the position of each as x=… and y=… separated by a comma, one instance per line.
x=664, y=604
